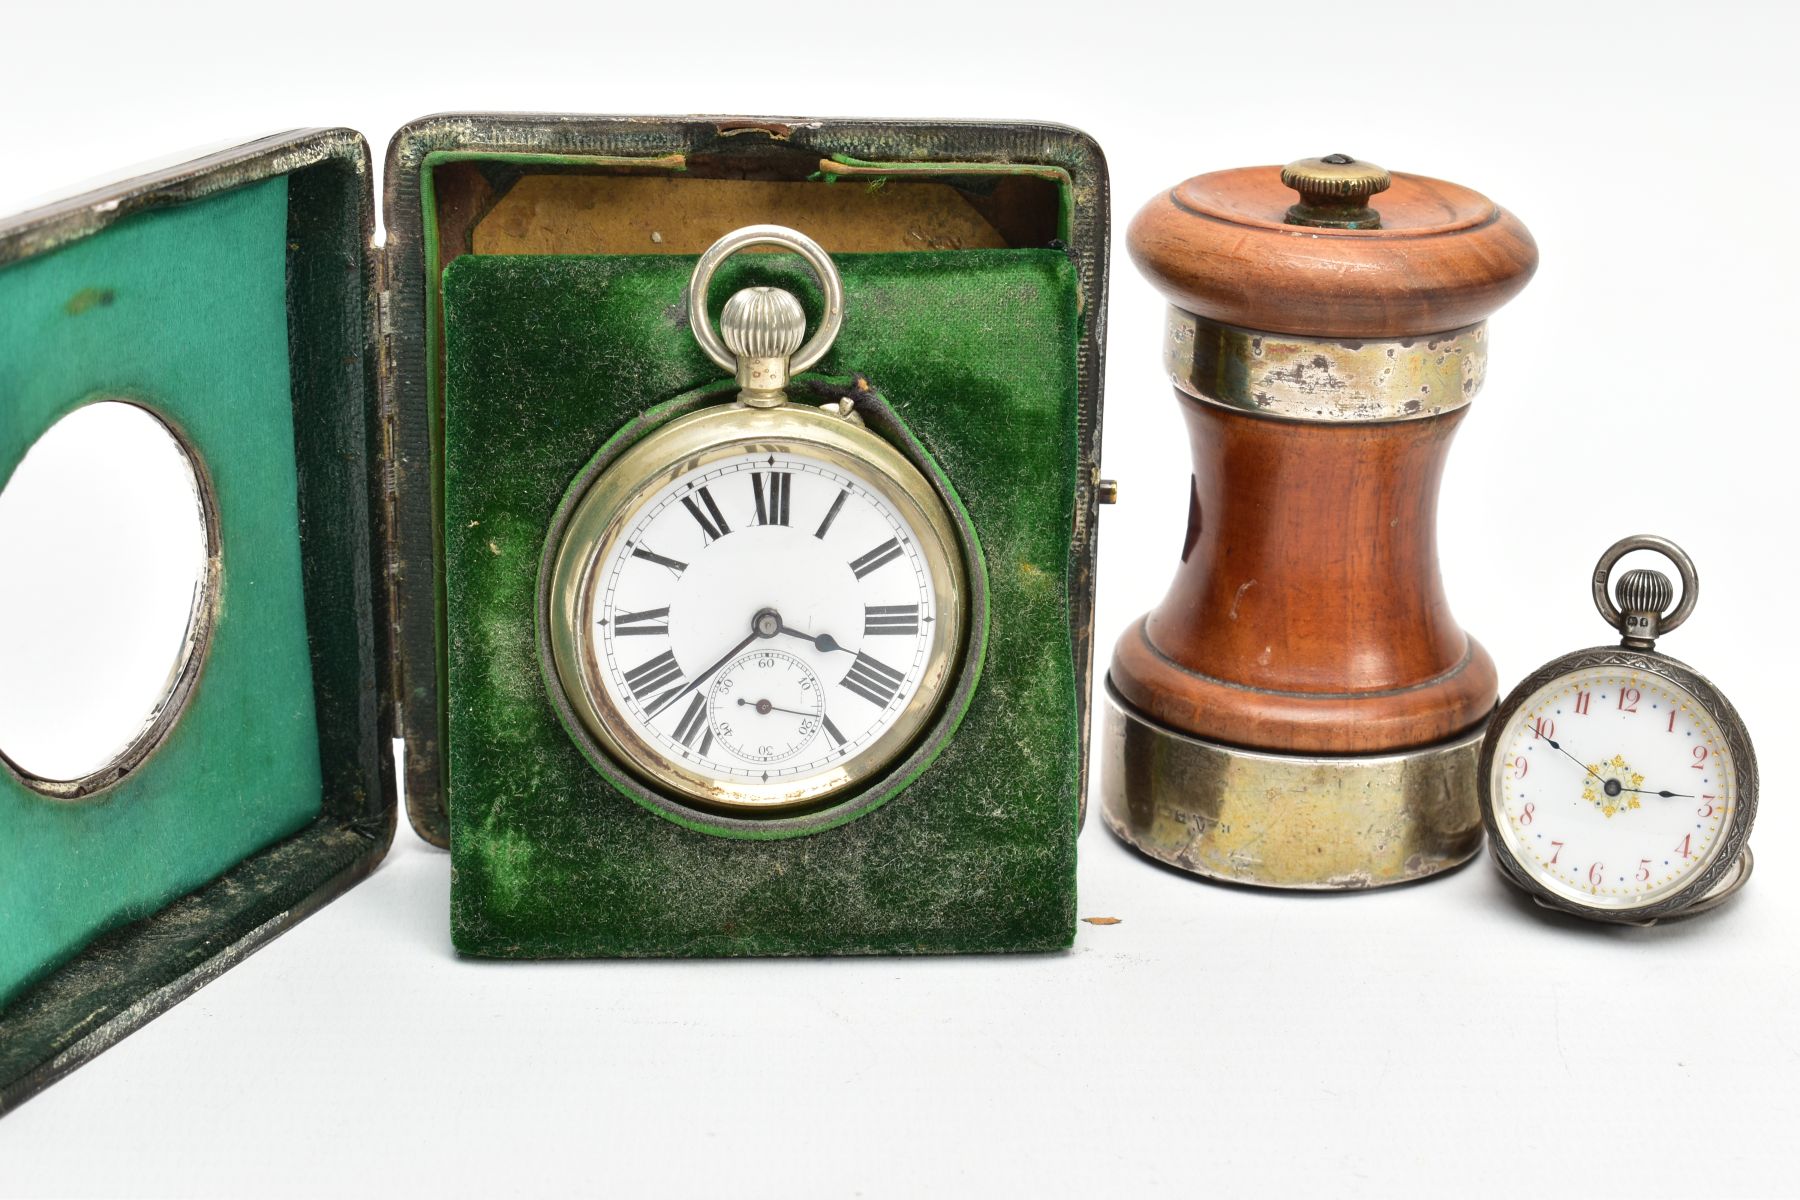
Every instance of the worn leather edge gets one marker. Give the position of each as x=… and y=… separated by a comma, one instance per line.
x=189, y=942
x=126, y=977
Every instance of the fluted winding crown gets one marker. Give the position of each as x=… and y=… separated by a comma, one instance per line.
x=1643, y=591
x=762, y=322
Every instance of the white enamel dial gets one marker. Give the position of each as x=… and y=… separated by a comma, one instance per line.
x=1613, y=788
x=764, y=622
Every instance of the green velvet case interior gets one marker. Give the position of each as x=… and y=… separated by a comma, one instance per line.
x=547, y=356
x=186, y=312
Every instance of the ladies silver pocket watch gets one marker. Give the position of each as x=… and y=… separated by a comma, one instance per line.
x=1617, y=783
x=760, y=605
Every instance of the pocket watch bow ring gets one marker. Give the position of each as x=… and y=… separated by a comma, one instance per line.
x=1617, y=783
x=759, y=606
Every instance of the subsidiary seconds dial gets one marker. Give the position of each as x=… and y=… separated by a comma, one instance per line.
x=767, y=707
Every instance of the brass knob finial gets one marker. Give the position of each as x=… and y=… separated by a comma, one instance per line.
x=1334, y=192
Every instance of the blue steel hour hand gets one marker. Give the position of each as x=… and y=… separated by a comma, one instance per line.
x=1556, y=745
x=1612, y=786
x=1664, y=795
x=824, y=641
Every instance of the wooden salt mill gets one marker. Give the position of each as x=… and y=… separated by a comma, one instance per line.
x=1302, y=710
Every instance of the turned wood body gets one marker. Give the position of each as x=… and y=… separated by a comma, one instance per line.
x=1307, y=613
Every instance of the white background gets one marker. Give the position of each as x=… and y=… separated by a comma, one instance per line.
x=1442, y=1039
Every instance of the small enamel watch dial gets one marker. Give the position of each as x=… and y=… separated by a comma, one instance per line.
x=1613, y=788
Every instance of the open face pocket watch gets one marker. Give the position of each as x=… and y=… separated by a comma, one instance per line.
x=757, y=609
x=1617, y=783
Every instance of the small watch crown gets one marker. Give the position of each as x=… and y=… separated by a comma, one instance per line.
x=762, y=327
x=1644, y=592
x=1643, y=597
x=762, y=322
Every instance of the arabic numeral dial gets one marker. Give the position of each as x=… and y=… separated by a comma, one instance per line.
x=1612, y=788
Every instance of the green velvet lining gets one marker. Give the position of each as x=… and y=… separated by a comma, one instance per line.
x=184, y=311
x=879, y=416
x=546, y=358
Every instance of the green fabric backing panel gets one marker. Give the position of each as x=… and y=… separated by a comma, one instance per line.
x=547, y=357
x=184, y=311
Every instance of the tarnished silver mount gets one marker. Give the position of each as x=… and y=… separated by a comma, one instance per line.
x=1312, y=822
x=1324, y=379
x=1642, y=613
x=763, y=326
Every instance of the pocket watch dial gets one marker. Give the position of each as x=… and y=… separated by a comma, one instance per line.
x=1613, y=788
x=763, y=624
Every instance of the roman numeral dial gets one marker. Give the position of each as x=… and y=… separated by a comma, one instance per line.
x=831, y=514
x=771, y=490
x=693, y=731
x=656, y=683
x=650, y=556
x=705, y=511
x=652, y=621
x=645, y=679
x=769, y=625
x=877, y=558
x=874, y=680
x=901, y=620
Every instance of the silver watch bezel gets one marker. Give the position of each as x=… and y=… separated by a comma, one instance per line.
x=1729, y=866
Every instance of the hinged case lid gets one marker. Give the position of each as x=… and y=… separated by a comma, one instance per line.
x=236, y=308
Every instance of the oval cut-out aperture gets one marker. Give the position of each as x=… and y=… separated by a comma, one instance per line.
x=105, y=546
